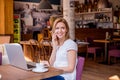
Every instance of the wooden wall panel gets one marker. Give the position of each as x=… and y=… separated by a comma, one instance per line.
x=82, y=33
x=6, y=16
x=2, y=17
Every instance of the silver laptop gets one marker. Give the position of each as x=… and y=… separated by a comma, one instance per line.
x=16, y=56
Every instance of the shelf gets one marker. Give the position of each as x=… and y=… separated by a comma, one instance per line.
x=94, y=21
x=95, y=12
x=103, y=19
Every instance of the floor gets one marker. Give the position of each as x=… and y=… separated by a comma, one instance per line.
x=96, y=71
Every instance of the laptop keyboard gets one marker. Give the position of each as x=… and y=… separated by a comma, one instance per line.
x=30, y=66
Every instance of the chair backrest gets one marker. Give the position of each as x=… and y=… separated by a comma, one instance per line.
x=46, y=34
x=114, y=52
x=89, y=40
x=79, y=67
x=4, y=39
x=33, y=49
x=0, y=58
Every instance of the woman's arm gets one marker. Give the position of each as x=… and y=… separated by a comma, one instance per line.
x=54, y=45
x=71, y=62
x=52, y=57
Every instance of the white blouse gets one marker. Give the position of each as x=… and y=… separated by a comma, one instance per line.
x=62, y=60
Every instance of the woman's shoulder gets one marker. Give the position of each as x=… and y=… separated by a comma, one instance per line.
x=70, y=44
x=70, y=41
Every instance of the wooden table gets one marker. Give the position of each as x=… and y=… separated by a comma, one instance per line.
x=116, y=39
x=106, y=47
x=9, y=72
x=28, y=43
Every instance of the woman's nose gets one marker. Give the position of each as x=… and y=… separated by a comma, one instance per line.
x=60, y=30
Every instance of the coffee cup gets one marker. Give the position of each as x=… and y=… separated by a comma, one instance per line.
x=40, y=65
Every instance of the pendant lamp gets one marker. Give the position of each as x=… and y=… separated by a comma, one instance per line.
x=44, y=4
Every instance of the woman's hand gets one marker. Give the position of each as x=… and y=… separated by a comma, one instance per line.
x=46, y=63
x=54, y=40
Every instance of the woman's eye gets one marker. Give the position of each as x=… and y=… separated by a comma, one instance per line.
x=57, y=28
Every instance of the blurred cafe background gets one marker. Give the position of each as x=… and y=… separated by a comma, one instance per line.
x=94, y=26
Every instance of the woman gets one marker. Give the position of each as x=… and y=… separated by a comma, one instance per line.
x=64, y=53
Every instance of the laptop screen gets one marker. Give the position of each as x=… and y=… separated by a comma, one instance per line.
x=16, y=55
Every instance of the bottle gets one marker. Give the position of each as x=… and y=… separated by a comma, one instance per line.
x=81, y=7
x=102, y=4
x=95, y=5
x=107, y=35
x=86, y=2
x=119, y=15
x=76, y=6
x=89, y=6
x=86, y=5
x=116, y=12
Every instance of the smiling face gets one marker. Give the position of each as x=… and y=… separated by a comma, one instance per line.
x=60, y=30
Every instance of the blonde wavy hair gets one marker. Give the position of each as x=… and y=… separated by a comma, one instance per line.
x=67, y=36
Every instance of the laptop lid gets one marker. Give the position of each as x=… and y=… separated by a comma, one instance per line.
x=16, y=55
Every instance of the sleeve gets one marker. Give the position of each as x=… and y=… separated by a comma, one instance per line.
x=72, y=46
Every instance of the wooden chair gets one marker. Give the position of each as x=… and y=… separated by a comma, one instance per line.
x=46, y=34
x=113, y=53
x=47, y=41
x=4, y=39
x=43, y=51
x=35, y=55
x=38, y=51
x=93, y=49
